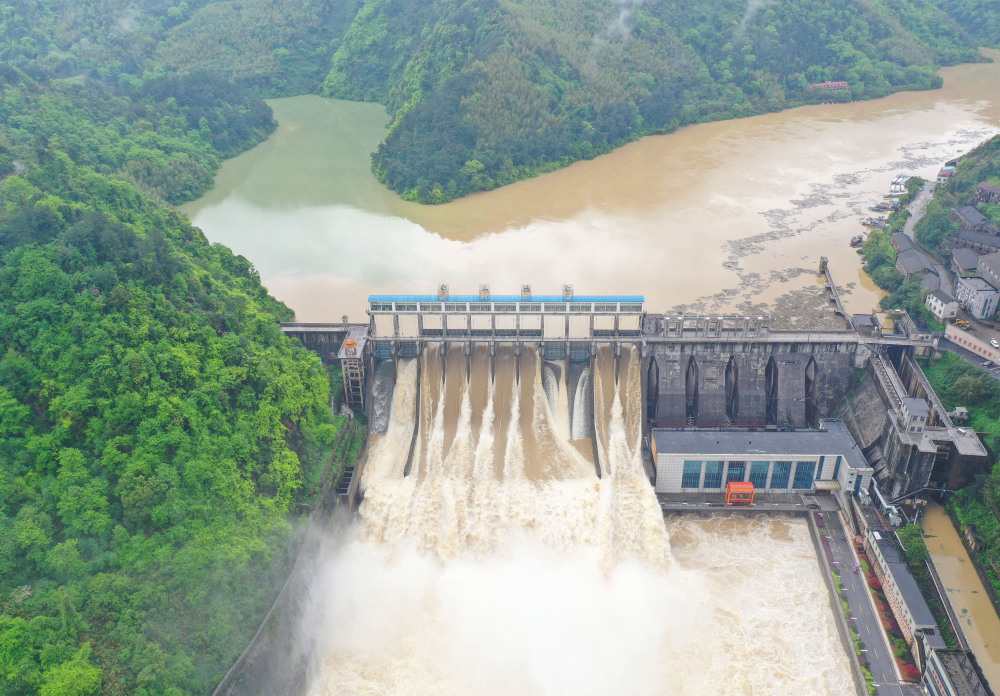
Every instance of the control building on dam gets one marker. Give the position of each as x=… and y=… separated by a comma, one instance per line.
x=726, y=398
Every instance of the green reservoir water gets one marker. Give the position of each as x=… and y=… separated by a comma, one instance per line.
x=316, y=156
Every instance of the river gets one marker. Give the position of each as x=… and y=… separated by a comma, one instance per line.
x=972, y=605
x=725, y=216
x=503, y=565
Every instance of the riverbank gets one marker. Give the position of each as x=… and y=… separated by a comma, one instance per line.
x=712, y=218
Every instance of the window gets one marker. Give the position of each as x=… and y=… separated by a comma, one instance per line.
x=758, y=474
x=605, y=307
x=430, y=306
x=455, y=306
x=713, y=475
x=819, y=469
x=381, y=306
x=554, y=307
x=836, y=467
x=779, y=477
x=803, y=475
x=531, y=307
x=580, y=307
x=505, y=307
x=406, y=306
x=628, y=307
x=692, y=475
x=736, y=471
x=480, y=306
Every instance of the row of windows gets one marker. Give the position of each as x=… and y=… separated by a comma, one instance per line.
x=507, y=307
x=709, y=474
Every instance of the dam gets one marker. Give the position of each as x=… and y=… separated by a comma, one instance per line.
x=510, y=535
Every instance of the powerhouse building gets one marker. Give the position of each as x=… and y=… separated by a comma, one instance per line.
x=775, y=461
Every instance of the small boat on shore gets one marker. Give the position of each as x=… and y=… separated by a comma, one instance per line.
x=857, y=240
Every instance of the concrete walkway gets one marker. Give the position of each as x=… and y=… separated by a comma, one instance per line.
x=840, y=555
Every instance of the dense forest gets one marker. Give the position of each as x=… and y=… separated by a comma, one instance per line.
x=484, y=92
x=480, y=93
x=979, y=18
x=156, y=427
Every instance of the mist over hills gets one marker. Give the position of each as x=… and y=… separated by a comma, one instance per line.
x=157, y=430
x=480, y=93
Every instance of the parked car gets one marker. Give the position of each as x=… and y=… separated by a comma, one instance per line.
x=993, y=342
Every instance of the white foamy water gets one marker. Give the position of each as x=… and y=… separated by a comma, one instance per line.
x=503, y=565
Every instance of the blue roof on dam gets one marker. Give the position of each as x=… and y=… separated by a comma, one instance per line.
x=506, y=298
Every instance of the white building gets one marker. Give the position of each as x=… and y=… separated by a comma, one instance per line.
x=977, y=296
x=704, y=461
x=913, y=414
x=942, y=305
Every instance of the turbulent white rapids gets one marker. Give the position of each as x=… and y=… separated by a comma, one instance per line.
x=501, y=564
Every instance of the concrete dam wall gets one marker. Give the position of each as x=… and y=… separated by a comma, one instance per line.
x=751, y=384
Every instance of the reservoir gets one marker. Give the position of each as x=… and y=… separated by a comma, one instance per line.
x=729, y=216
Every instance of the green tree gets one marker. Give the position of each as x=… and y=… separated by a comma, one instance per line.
x=912, y=539
x=74, y=677
x=969, y=389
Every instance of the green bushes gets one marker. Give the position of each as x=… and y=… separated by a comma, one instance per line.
x=482, y=95
x=156, y=428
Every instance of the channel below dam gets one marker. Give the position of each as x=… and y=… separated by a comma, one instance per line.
x=502, y=564
x=510, y=535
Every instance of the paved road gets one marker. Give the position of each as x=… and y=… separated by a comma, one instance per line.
x=867, y=623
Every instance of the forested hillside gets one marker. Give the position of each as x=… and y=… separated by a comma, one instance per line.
x=484, y=92
x=153, y=93
x=481, y=92
x=938, y=227
x=980, y=18
x=155, y=429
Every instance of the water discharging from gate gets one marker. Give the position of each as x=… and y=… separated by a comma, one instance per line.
x=500, y=563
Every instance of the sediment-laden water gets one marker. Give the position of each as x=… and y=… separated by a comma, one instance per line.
x=968, y=597
x=501, y=564
x=725, y=216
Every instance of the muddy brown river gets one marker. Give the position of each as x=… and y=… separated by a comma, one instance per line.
x=726, y=216
x=972, y=605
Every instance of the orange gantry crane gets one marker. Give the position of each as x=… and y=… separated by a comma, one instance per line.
x=739, y=494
